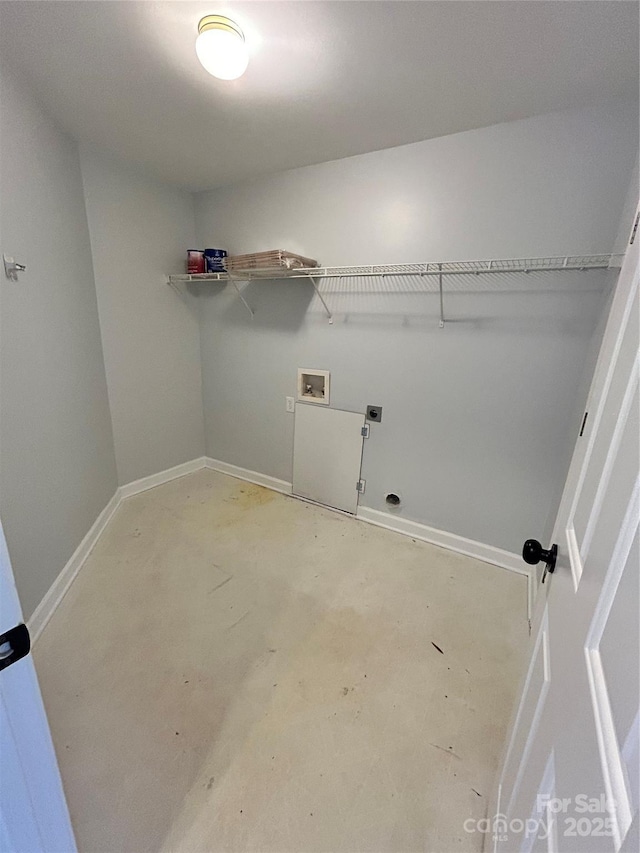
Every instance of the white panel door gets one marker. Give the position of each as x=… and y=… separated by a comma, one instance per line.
x=33, y=811
x=327, y=455
x=569, y=781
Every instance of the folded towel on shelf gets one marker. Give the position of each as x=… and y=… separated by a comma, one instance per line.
x=272, y=261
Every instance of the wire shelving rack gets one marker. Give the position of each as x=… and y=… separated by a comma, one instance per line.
x=439, y=269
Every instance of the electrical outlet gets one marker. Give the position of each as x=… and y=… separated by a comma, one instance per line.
x=291, y=404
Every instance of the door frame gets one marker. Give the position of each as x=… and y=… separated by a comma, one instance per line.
x=34, y=810
x=619, y=313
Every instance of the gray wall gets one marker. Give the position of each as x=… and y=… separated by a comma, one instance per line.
x=140, y=231
x=593, y=350
x=477, y=430
x=629, y=209
x=57, y=464
x=479, y=417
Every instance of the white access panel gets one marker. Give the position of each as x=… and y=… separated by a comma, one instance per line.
x=327, y=455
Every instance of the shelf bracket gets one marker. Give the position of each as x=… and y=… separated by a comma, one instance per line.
x=321, y=298
x=239, y=292
x=174, y=286
x=441, y=324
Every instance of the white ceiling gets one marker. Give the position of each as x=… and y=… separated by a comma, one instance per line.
x=326, y=79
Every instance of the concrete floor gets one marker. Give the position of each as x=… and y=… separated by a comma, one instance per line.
x=237, y=670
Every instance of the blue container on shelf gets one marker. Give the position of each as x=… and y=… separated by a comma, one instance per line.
x=214, y=260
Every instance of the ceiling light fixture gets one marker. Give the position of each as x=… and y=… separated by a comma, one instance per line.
x=221, y=47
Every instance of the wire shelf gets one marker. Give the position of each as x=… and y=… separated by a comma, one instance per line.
x=439, y=269
x=510, y=265
x=203, y=276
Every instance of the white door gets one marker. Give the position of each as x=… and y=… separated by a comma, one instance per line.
x=327, y=455
x=569, y=781
x=33, y=810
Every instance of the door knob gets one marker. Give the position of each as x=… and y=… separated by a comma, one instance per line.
x=14, y=645
x=533, y=553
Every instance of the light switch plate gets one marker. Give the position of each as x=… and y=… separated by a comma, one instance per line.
x=291, y=404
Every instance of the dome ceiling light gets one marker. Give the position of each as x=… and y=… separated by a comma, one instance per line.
x=221, y=47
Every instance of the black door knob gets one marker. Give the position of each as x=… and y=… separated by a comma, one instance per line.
x=533, y=553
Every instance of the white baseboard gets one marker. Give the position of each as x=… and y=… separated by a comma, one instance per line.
x=59, y=588
x=468, y=547
x=154, y=480
x=250, y=476
x=45, y=610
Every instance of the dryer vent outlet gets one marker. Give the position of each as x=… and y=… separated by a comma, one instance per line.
x=392, y=499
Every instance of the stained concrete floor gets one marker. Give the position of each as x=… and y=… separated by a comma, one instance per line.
x=234, y=670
